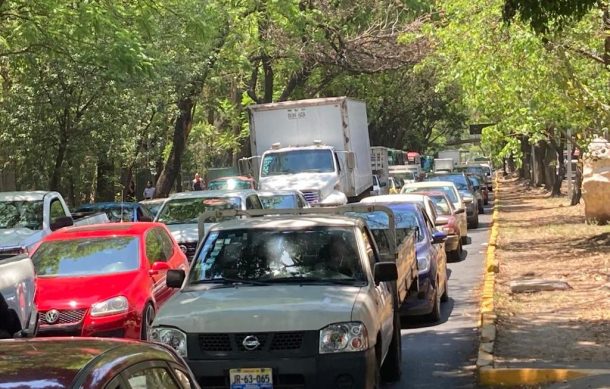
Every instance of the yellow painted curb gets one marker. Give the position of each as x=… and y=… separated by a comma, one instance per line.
x=513, y=377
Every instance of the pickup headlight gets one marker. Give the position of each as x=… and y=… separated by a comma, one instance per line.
x=423, y=264
x=110, y=307
x=172, y=337
x=343, y=337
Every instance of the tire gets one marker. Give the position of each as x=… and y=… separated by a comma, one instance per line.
x=435, y=315
x=481, y=208
x=475, y=223
x=456, y=255
x=147, y=318
x=486, y=201
x=391, y=370
x=445, y=295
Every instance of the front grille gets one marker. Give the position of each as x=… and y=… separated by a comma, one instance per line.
x=191, y=247
x=312, y=197
x=287, y=341
x=215, y=342
x=279, y=341
x=72, y=316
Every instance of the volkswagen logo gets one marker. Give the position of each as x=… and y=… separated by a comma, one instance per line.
x=250, y=342
x=52, y=316
x=183, y=248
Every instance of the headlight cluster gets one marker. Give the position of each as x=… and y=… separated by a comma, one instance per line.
x=343, y=337
x=110, y=307
x=172, y=337
x=423, y=264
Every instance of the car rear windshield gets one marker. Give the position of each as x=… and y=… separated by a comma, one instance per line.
x=87, y=256
x=115, y=213
x=229, y=184
x=186, y=211
x=458, y=180
x=323, y=253
x=448, y=190
x=21, y=214
x=442, y=205
x=278, y=201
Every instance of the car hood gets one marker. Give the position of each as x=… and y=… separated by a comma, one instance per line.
x=258, y=308
x=184, y=232
x=81, y=292
x=299, y=181
x=23, y=237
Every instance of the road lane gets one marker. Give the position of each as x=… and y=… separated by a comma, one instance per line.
x=443, y=355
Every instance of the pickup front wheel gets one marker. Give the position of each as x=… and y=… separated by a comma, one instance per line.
x=391, y=369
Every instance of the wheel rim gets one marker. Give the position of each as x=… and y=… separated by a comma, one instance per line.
x=147, y=320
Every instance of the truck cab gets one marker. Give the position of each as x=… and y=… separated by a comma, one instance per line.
x=317, y=171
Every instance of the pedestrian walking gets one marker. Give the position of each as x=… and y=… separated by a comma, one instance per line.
x=197, y=182
x=149, y=191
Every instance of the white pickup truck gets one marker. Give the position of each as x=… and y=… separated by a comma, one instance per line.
x=27, y=217
x=286, y=301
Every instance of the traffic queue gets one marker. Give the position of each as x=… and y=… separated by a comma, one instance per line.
x=296, y=273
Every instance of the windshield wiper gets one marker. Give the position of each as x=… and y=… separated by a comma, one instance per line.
x=315, y=280
x=230, y=281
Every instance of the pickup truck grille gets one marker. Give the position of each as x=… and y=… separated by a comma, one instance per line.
x=279, y=341
x=188, y=248
x=312, y=197
x=6, y=253
x=72, y=316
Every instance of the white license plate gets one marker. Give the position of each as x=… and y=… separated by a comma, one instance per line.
x=253, y=378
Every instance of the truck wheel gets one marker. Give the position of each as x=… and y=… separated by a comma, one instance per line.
x=391, y=369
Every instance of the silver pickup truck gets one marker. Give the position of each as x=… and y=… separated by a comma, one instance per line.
x=287, y=300
x=27, y=217
x=18, y=314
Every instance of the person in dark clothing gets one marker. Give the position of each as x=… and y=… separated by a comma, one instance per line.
x=198, y=182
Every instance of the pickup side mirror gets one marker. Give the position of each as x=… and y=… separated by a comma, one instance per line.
x=157, y=267
x=438, y=237
x=61, y=222
x=175, y=278
x=459, y=210
x=385, y=272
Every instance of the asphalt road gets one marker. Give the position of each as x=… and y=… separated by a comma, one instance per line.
x=443, y=355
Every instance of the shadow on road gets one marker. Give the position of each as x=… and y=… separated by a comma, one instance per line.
x=421, y=322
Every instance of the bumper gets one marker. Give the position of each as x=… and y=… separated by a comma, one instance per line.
x=343, y=370
x=114, y=326
x=452, y=243
x=421, y=303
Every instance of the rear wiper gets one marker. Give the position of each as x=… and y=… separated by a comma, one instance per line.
x=315, y=280
x=231, y=281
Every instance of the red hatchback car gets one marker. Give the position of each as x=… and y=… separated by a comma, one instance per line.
x=104, y=280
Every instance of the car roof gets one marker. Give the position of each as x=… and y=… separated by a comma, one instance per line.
x=243, y=178
x=212, y=193
x=394, y=198
x=152, y=201
x=109, y=204
x=278, y=192
x=102, y=230
x=61, y=362
x=284, y=222
x=429, y=184
x=34, y=195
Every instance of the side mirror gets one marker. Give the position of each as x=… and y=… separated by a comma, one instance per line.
x=459, y=210
x=438, y=237
x=175, y=278
x=385, y=272
x=441, y=221
x=61, y=222
x=157, y=267
x=351, y=160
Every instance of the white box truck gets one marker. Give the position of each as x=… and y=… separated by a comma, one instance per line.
x=319, y=146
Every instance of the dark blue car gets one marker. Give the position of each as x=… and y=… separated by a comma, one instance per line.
x=118, y=212
x=431, y=261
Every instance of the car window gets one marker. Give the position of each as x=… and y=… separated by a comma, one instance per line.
x=151, y=377
x=57, y=210
x=368, y=246
x=167, y=245
x=253, y=202
x=154, y=247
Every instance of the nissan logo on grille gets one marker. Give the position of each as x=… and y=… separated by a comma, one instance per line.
x=251, y=342
x=52, y=316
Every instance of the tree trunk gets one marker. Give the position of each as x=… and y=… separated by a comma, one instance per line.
x=538, y=167
x=63, y=122
x=182, y=127
x=577, y=189
x=105, y=186
x=560, y=172
x=524, y=170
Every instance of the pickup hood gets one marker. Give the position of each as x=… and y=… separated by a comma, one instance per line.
x=23, y=237
x=81, y=292
x=184, y=232
x=323, y=182
x=258, y=308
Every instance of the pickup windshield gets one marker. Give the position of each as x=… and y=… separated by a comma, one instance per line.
x=87, y=257
x=186, y=211
x=21, y=214
x=297, y=161
x=290, y=255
